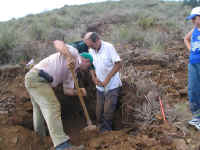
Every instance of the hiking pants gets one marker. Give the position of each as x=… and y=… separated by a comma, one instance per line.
x=46, y=108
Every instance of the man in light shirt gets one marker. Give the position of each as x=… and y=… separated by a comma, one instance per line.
x=39, y=82
x=107, y=64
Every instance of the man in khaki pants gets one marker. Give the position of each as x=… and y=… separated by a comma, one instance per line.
x=39, y=82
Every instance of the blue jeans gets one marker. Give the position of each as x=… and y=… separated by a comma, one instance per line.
x=105, y=108
x=194, y=89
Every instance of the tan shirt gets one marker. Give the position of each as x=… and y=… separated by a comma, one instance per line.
x=56, y=66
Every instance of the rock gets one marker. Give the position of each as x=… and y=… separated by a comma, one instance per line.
x=166, y=140
x=96, y=144
x=148, y=57
x=180, y=144
x=14, y=140
x=189, y=140
x=3, y=112
x=9, y=67
x=10, y=70
x=24, y=139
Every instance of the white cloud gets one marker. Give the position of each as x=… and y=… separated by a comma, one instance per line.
x=13, y=9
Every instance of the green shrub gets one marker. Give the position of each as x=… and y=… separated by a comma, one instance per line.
x=147, y=22
x=156, y=41
x=192, y=3
x=128, y=34
x=38, y=31
x=59, y=22
x=7, y=42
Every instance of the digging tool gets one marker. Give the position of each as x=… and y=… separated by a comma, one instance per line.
x=90, y=126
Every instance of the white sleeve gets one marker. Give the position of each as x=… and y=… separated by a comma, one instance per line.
x=90, y=51
x=114, y=55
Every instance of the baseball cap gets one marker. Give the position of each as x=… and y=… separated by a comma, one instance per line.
x=195, y=12
x=87, y=56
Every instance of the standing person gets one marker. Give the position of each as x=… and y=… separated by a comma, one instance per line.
x=39, y=82
x=192, y=41
x=107, y=64
x=81, y=46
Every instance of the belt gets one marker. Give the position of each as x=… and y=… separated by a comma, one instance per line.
x=43, y=74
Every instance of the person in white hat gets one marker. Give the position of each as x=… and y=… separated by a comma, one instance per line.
x=192, y=42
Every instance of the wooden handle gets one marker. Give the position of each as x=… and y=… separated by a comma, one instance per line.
x=81, y=97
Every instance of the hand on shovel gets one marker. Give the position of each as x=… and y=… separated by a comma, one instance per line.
x=83, y=91
x=71, y=62
x=97, y=82
x=63, y=49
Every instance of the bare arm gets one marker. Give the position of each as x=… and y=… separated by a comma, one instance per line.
x=94, y=78
x=92, y=72
x=63, y=49
x=187, y=39
x=115, y=69
x=73, y=92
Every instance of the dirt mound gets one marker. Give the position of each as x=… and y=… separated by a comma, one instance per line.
x=19, y=138
x=157, y=137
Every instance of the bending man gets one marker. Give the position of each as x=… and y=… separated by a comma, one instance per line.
x=39, y=82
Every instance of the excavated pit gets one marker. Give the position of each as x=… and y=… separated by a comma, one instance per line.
x=138, y=122
x=72, y=113
x=16, y=108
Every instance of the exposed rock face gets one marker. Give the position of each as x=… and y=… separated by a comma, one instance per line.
x=146, y=56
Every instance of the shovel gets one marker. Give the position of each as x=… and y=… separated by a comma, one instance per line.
x=90, y=126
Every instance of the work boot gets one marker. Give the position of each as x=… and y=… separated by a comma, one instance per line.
x=75, y=148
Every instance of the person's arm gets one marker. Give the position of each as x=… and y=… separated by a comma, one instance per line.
x=95, y=80
x=63, y=49
x=117, y=65
x=115, y=69
x=68, y=87
x=187, y=39
x=74, y=92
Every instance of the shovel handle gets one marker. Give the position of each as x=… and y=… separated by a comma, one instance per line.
x=80, y=97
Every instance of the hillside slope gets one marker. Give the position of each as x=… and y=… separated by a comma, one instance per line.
x=127, y=24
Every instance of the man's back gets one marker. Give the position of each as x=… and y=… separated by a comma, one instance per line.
x=56, y=66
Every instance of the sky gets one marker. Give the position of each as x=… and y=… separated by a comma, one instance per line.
x=18, y=8
x=10, y=9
